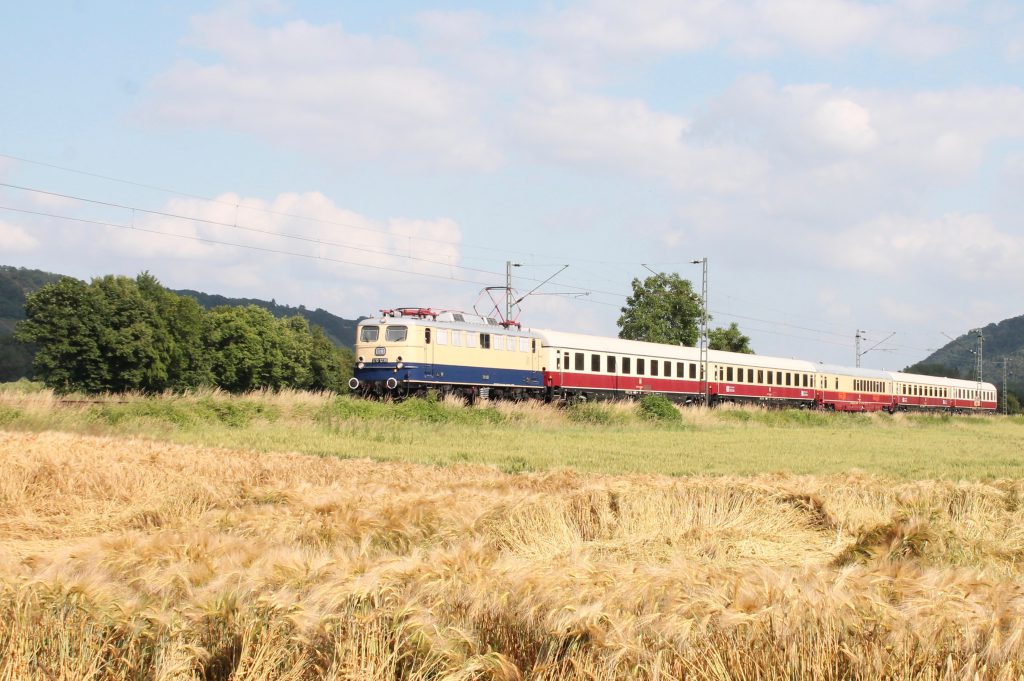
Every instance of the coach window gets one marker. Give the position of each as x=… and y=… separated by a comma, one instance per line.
x=750, y=375
x=610, y=364
x=788, y=379
x=565, y=361
x=693, y=370
x=558, y=362
x=668, y=369
x=625, y=365
x=639, y=366
x=595, y=362
x=485, y=341
x=778, y=378
x=728, y=374
x=579, y=361
x=654, y=367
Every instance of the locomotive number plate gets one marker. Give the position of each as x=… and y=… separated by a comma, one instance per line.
x=379, y=360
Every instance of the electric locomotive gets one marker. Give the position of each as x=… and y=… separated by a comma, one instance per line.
x=407, y=351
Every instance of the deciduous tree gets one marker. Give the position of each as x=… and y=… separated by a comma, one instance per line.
x=729, y=339
x=662, y=309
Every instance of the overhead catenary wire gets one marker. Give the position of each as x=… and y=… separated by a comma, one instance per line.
x=219, y=242
x=583, y=289
x=285, y=235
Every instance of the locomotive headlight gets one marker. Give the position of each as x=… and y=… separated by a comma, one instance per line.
x=399, y=365
x=360, y=365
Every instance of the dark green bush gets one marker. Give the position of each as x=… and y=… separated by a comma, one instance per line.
x=657, y=408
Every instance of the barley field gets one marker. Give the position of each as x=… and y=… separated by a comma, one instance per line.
x=180, y=538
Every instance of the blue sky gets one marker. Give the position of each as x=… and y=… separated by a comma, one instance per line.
x=844, y=165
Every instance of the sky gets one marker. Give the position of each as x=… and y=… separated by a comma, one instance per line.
x=843, y=165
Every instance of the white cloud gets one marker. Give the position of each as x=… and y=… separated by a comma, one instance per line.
x=322, y=89
x=309, y=224
x=15, y=239
x=751, y=28
x=844, y=125
x=454, y=30
x=955, y=247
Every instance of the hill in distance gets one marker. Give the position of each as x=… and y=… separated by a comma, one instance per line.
x=1004, y=340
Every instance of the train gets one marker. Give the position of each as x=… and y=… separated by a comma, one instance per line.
x=412, y=351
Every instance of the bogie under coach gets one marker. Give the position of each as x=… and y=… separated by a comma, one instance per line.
x=409, y=351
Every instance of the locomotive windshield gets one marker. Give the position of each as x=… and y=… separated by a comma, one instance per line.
x=369, y=334
x=395, y=334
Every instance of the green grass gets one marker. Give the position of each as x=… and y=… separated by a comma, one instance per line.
x=590, y=437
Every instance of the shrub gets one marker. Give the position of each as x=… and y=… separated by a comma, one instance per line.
x=657, y=408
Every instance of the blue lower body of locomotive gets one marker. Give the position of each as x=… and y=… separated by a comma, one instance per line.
x=449, y=374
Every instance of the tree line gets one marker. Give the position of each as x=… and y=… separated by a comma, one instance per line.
x=117, y=333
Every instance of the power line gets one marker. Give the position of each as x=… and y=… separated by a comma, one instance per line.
x=283, y=235
x=236, y=245
x=391, y=253
x=263, y=249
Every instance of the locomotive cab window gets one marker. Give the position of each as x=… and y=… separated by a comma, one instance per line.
x=369, y=334
x=396, y=334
